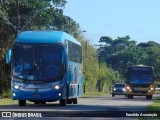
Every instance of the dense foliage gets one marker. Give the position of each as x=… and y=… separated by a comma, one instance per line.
x=123, y=52
x=20, y=15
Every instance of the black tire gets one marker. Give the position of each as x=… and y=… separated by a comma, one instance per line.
x=78, y=90
x=22, y=102
x=63, y=102
x=75, y=101
x=149, y=97
x=36, y=102
x=69, y=101
x=43, y=102
x=130, y=96
x=113, y=95
x=67, y=94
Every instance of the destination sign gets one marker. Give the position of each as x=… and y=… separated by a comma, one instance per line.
x=141, y=68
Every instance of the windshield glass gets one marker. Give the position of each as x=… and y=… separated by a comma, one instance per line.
x=141, y=77
x=119, y=85
x=37, y=62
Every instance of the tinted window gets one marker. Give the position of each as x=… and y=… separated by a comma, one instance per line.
x=74, y=52
x=37, y=62
x=119, y=85
x=141, y=77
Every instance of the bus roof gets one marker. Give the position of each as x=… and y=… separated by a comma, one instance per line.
x=44, y=37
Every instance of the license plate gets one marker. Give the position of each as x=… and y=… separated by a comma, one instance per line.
x=36, y=95
x=119, y=92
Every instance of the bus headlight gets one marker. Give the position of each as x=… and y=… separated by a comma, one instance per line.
x=56, y=87
x=17, y=85
x=114, y=89
x=151, y=88
x=129, y=88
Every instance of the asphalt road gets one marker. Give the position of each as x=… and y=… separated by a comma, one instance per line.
x=104, y=106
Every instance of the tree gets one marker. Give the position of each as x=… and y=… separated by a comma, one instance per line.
x=123, y=52
x=108, y=40
x=29, y=11
x=114, y=49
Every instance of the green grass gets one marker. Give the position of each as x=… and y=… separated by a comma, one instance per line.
x=92, y=94
x=153, y=108
x=7, y=101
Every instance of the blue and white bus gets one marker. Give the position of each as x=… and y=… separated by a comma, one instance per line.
x=46, y=66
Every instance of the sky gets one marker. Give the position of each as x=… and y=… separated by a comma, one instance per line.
x=140, y=19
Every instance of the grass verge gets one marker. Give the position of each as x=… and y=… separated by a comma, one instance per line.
x=154, y=106
x=153, y=109
x=7, y=101
x=92, y=94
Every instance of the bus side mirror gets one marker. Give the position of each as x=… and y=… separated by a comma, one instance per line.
x=9, y=56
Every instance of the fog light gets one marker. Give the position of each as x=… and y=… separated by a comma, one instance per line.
x=59, y=94
x=14, y=94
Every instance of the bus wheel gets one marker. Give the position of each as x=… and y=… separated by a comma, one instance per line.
x=130, y=96
x=69, y=101
x=63, y=102
x=113, y=95
x=22, y=102
x=149, y=97
x=75, y=101
x=43, y=102
x=36, y=102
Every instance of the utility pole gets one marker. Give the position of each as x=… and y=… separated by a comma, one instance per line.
x=99, y=62
x=86, y=51
x=85, y=62
x=18, y=19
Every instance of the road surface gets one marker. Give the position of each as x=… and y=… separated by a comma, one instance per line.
x=104, y=106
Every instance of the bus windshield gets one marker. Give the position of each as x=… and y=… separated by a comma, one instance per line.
x=37, y=62
x=141, y=77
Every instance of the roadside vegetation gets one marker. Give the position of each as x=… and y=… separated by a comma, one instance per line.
x=8, y=101
x=93, y=94
x=153, y=108
x=98, y=79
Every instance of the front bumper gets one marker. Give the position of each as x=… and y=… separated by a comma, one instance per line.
x=50, y=95
x=140, y=93
x=119, y=92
